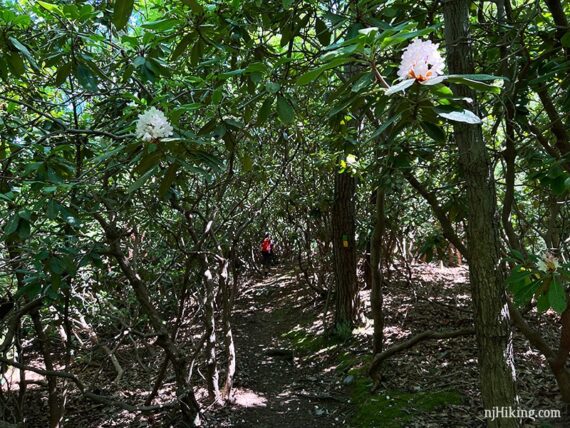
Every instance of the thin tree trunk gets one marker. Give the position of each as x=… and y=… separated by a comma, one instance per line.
x=343, y=212
x=376, y=297
x=210, y=322
x=494, y=337
x=21, y=358
x=227, y=329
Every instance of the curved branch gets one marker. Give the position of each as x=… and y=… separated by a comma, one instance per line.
x=414, y=340
x=438, y=211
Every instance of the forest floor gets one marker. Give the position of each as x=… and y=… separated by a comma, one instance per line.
x=291, y=374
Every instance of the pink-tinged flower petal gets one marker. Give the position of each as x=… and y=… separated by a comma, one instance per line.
x=421, y=61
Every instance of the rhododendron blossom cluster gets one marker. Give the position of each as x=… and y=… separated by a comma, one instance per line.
x=421, y=61
x=153, y=125
x=549, y=263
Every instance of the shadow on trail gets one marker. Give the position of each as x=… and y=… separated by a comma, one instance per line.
x=276, y=386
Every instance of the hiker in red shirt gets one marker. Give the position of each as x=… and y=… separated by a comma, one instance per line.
x=266, y=253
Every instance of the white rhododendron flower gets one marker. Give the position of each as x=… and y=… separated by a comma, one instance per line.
x=153, y=125
x=421, y=61
x=549, y=263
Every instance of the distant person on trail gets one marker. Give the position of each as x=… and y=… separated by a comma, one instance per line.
x=266, y=253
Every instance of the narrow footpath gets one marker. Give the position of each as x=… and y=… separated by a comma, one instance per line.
x=277, y=386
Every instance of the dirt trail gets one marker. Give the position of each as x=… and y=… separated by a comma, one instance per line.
x=276, y=387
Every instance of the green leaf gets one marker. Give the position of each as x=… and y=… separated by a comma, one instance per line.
x=257, y=67
x=336, y=62
x=390, y=12
x=85, y=77
x=51, y=7
x=405, y=84
x=161, y=24
x=56, y=266
x=480, y=77
x=62, y=74
x=542, y=303
x=122, y=12
x=30, y=290
x=464, y=116
x=3, y=68
x=344, y=104
x=565, y=40
x=168, y=179
x=195, y=6
x=382, y=128
x=363, y=82
x=196, y=52
x=474, y=84
x=287, y=3
x=247, y=163
x=147, y=162
x=272, y=87
x=557, y=296
x=181, y=46
x=403, y=36
x=8, y=197
x=51, y=291
x=141, y=180
x=16, y=64
x=284, y=110
x=558, y=184
x=434, y=131
x=323, y=33
x=52, y=209
x=24, y=50
x=24, y=229
x=12, y=224
x=264, y=110
x=309, y=76
x=217, y=95
x=518, y=274
x=523, y=291
x=236, y=72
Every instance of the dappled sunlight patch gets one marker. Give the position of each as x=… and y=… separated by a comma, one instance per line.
x=304, y=341
x=286, y=397
x=364, y=330
x=280, y=281
x=316, y=326
x=330, y=369
x=534, y=355
x=247, y=398
x=327, y=349
x=10, y=380
x=447, y=277
x=395, y=333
